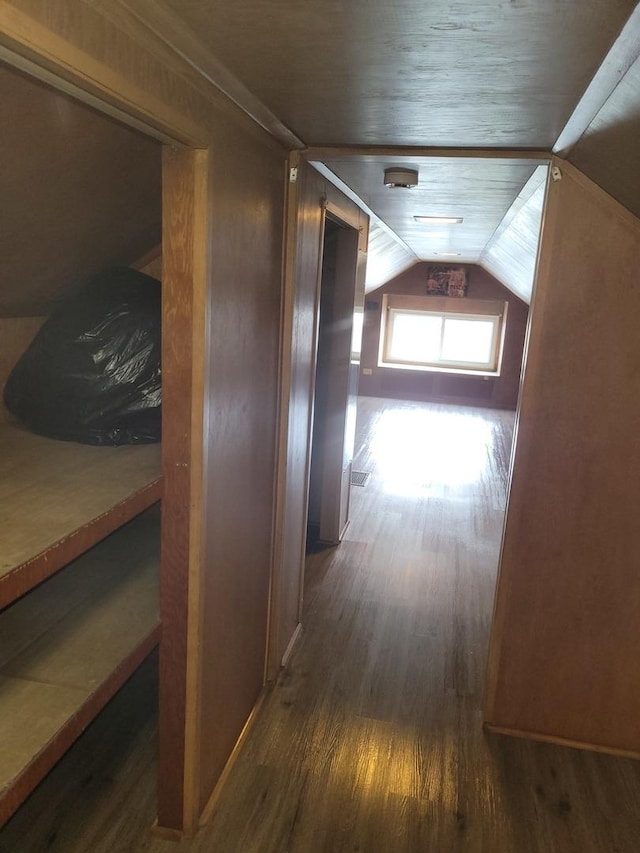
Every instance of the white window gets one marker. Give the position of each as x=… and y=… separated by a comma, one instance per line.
x=441, y=340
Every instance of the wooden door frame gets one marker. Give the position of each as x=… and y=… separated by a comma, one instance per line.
x=186, y=261
x=31, y=48
x=322, y=198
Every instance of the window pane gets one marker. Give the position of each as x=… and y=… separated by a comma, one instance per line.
x=415, y=337
x=469, y=341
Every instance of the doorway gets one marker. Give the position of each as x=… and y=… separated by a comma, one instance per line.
x=335, y=387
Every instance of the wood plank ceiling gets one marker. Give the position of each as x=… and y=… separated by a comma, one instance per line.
x=469, y=74
x=463, y=74
x=477, y=190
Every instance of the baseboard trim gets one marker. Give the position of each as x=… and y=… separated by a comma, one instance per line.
x=212, y=802
x=286, y=657
x=561, y=741
x=165, y=833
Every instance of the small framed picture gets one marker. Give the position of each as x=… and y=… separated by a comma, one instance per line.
x=447, y=281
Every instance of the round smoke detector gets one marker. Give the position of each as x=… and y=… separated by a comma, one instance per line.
x=399, y=177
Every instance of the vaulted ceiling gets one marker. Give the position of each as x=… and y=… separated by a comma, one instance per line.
x=368, y=84
x=478, y=191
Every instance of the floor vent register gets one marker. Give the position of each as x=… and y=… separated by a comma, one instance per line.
x=359, y=478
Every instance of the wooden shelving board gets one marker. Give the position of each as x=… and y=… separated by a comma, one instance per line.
x=68, y=646
x=58, y=498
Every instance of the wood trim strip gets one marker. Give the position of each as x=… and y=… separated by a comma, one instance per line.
x=444, y=304
x=531, y=344
x=337, y=182
x=43, y=565
x=348, y=214
x=311, y=393
x=39, y=45
x=209, y=809
x=69, y=733
x=185, y=205
x=559, y=741
x=201, y=411
x=534, y=155
x=293, y=642
x=176, y=499
x=287, y=301
x=38, y=72
x=164, y=833
x=170, y=29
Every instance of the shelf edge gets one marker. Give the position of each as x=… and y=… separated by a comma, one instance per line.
x=36, y=770
x=29, y=574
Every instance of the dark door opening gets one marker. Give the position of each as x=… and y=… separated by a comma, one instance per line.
x=333, y=431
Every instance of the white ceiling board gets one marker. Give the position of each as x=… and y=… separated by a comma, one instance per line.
x=479, y=190
x=386, y=257
x=511, y=253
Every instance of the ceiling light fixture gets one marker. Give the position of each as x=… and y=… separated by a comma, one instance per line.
x=396, y=176
x=439, y=220
x=448, y=254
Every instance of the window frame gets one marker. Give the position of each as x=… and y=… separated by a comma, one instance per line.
x=445, y=308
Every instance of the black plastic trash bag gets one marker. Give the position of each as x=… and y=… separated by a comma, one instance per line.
x=92, y=373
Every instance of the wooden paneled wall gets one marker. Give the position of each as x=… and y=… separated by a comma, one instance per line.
x=101, y=53
x=80, y=192
x=16, y=333
x=241, y=400
x=501, y=391
x=565, y=642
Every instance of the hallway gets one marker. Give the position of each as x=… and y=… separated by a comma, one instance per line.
x=372, y=739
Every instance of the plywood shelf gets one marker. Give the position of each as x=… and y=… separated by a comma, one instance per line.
x=66, y=648
x=59, y=498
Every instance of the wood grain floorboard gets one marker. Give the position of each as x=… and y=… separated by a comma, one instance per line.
x=372, y=739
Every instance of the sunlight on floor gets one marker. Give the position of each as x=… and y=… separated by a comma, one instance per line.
x=416, y=451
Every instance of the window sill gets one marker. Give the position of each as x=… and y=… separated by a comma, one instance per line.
x=486, y=374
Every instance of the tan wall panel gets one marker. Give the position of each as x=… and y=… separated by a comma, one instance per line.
x=244, y=308
x=566, y=635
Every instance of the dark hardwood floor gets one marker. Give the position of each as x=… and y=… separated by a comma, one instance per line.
x=372, y=739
